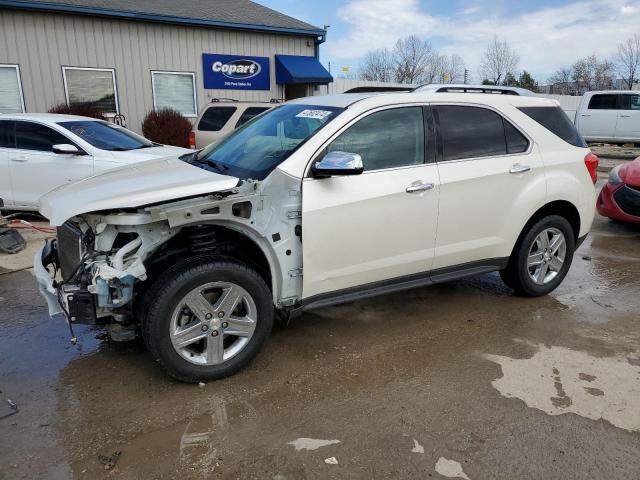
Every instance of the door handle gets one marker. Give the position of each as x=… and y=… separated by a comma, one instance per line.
x=585, y=114
x=422, y=187
x=625, y=116
x=517, y=168
x=19, y=159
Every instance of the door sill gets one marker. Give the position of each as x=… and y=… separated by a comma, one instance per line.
x=407, y=282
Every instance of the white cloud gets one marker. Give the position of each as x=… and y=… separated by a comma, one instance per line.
x=545, y=39
x=377, y=24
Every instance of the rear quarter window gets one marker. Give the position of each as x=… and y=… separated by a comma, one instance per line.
x=215, y=118
x=556, y=121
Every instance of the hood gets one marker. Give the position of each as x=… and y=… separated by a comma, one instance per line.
x=151, y=153
x=132, y=186
x=630, y=173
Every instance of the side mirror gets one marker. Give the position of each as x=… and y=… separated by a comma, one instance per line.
x=338, y=163
x=66, y=149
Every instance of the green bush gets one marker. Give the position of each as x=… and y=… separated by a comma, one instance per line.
x=167, y=126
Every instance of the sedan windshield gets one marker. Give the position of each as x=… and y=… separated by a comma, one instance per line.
x=261, y=144
x=107, y=136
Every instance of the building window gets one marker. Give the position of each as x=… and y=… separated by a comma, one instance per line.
x=94, y=87
x=175, y=90
x=11, y=99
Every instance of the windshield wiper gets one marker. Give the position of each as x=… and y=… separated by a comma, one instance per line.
x=189, y=157
x=192, y=158
x=148, y=146
x=217, y=166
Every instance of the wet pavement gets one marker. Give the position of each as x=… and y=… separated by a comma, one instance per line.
x=457, y=380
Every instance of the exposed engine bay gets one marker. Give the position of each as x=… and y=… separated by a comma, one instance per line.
x=101, y=263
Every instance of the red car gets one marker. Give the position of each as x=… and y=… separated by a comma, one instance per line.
x=620, y=197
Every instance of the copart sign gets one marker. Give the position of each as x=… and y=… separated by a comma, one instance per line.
x=235, y=72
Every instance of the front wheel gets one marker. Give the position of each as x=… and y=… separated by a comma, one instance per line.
x=208, y=320
x=542, y=257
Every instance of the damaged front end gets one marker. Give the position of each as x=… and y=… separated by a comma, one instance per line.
x=102, y=264
x=88, y=273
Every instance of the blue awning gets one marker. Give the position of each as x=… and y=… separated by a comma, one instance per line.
x=300, y=69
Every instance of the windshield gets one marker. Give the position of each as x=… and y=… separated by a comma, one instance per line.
x=261, y=144
x=107, y=136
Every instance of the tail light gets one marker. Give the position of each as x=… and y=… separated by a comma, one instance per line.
x=192, y=140
x=591, y=161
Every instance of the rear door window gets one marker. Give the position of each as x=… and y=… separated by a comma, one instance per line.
x=249, y=113
x=215, y=118
x=471, y=132
x=7, y=137
x=630, y=102
x=603, y=101
x=35, y=136
x=556, y=121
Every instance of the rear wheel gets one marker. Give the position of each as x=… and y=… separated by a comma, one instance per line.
x=208, y=321
x=541, y=258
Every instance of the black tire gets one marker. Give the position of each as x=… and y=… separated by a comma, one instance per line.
x=169, y=289
x=148, y=295
x=516, y=275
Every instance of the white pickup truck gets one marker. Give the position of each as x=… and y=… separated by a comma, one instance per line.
x=609, y=116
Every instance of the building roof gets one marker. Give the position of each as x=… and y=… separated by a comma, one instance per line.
x=233, y=14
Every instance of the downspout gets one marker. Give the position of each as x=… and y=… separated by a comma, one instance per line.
x=316, y=47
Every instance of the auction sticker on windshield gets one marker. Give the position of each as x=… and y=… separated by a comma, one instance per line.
x=318, y=114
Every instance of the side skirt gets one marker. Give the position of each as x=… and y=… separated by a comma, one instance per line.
x=402, y=283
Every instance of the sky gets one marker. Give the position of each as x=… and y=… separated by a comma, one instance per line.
x=547, y=35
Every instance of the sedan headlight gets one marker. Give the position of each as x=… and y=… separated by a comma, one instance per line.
x=614, y=176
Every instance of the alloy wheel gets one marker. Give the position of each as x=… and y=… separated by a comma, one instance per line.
x=546, y=256
x=213, y=323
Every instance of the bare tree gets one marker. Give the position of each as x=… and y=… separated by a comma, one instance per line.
x=604, y=74
x=411, y=58
x=455, y=69
x=590, y=73
x=378, y=65
x=562, y=81
x=628, y=58
x=498, y=61
x=412, y=61
x=435, y=69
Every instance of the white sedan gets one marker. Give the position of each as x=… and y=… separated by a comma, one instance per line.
x=39, y=152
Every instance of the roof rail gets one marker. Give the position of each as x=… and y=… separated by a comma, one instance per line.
x=216, y=100
x=465, y=88
x=500, y=91
x=378, y=89
x=276, y=100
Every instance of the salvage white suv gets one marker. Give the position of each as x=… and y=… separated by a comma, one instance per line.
x=318, y=201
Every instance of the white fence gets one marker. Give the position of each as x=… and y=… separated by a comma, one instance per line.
x=568, y=103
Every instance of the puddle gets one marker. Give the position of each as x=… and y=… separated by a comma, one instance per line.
x=311, y=443
x=558, y=380
x=417, y=448
x=450, y=468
